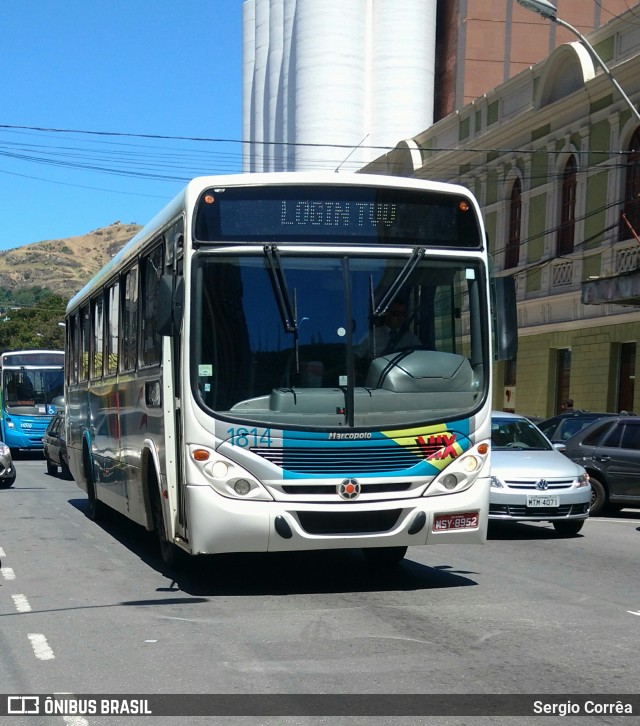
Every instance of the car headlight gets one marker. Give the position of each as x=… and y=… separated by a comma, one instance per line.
x=495, y=482
x=4, y=450
x=583, y=480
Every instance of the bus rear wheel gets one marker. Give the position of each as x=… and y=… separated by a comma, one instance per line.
x=96, y=509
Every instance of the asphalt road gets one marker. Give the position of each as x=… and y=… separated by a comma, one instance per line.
x=89, y=609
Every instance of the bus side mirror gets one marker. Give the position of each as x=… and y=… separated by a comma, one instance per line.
x=170, y=305
x=505, y=318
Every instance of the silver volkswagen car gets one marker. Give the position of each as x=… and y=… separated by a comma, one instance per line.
x=531, y=481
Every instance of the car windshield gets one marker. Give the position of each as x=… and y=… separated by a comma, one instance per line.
x=517, y=433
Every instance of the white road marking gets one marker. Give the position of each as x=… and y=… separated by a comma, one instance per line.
x=40, y=646
x=8, y=573
x=633, y=612
x=2, y=553
x=21, y=603
x=72, y=720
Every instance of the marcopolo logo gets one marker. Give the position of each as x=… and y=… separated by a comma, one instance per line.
x=349, y=489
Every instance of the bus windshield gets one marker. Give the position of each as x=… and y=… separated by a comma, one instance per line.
x=26, y=390
x=338, y=340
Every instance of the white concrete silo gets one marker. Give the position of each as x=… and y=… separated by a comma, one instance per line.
x=329, y=67
x=402, y=71
x=248, y=64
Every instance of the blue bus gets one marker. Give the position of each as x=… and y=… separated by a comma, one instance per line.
x=32, y=391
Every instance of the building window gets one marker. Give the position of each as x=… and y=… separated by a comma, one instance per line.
x=566, y=228
x=512, y=256
x=630, y=221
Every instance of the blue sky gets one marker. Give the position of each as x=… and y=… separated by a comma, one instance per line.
x=171, y=68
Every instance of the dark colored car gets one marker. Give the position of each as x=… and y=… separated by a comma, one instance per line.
x=609, y=449
x=55, y=447
x=559, y=429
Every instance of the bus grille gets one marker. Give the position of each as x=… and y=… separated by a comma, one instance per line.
x=330, y=489
x=348, y=522
x=341, y=461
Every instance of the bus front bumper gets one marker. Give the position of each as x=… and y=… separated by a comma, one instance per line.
x=221, y=525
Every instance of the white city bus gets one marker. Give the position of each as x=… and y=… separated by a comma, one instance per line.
x=231, y=380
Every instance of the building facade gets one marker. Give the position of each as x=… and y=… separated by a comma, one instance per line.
x=331, y=85
x=553, y=156
x=482, y=44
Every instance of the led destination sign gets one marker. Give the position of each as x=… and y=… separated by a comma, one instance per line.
x=337, y=214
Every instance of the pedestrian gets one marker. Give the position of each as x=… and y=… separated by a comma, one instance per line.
x=567, y=405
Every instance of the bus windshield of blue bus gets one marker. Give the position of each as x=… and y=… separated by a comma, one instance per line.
x=32, y=390
x=337, y=214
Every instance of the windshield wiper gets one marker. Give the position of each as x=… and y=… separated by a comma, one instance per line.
x=288, y=309
x=395, y=286
x=281, y=290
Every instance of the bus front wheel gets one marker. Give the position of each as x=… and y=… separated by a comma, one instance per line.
x=384, y=558
x=170, y=553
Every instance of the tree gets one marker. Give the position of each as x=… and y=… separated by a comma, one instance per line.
x=36, y=327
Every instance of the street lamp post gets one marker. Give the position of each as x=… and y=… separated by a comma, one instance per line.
x=549, y=12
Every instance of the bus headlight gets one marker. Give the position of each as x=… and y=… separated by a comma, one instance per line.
x=460, y=474
x=224, y=476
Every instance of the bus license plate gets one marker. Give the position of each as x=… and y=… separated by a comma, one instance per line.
x=540, y=500
x=443, y=522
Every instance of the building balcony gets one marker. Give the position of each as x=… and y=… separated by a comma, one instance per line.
x=622, y=286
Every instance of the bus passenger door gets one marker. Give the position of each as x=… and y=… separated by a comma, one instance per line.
x=175, y=237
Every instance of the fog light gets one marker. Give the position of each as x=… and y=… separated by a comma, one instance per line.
x=450, y=481
x=242, y=487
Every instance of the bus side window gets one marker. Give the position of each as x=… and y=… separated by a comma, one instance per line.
x=151, y=342
x=112, y=337
x=129, y=312
x=85, y=333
